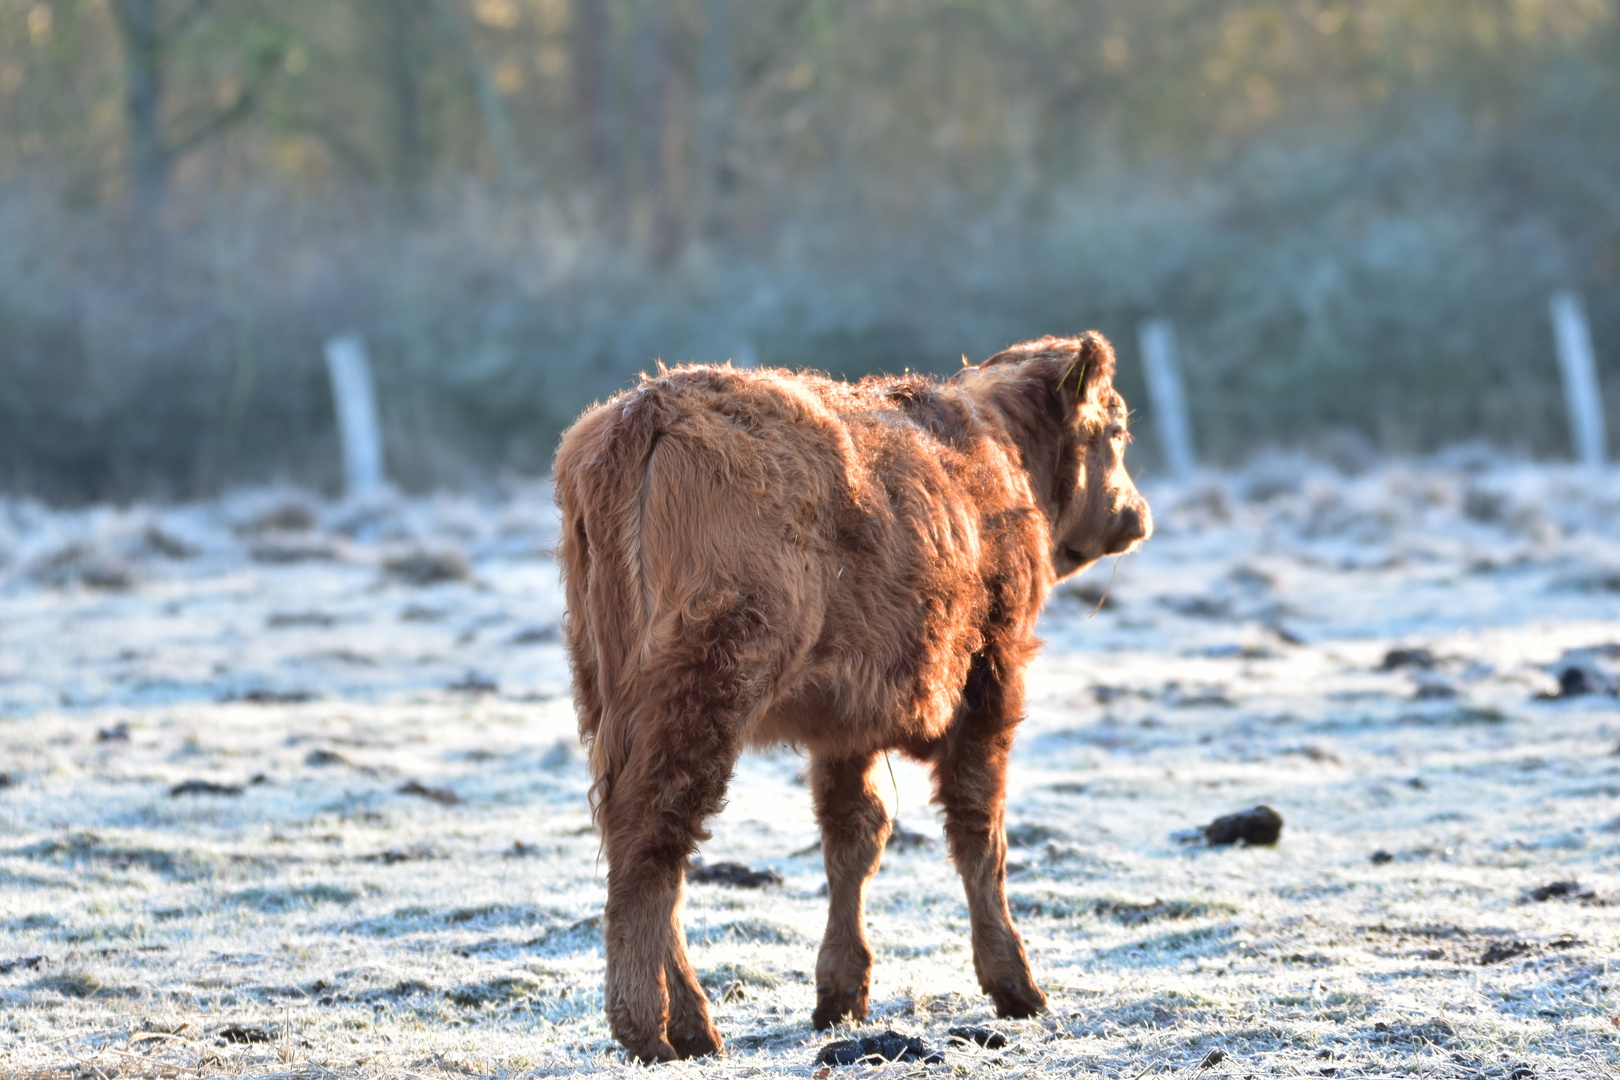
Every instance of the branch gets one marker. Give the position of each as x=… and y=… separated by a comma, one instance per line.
x=264, y=67
x=785, y=28
x=221, y=121
x=187, y=17
x=342, y=147
x=496, y=122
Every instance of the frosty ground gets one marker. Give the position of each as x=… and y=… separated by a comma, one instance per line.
x=209, y=867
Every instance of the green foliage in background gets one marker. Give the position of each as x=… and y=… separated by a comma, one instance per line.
x=1352, y=212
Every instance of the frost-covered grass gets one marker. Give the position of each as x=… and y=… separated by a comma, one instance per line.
x=365, y=932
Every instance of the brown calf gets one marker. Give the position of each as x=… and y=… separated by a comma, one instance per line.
x=758, y=557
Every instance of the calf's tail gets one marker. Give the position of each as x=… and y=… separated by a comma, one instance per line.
x=601, y=475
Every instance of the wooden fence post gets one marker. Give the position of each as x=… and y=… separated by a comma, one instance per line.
x=1581, y=393
x=1168, y=397
x=355, y=403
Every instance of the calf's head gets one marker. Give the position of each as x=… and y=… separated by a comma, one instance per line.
x=1074, y=426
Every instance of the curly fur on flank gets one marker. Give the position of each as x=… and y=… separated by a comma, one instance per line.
x=759, y=557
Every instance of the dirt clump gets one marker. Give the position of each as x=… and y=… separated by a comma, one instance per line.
x=990, y=1040
x=1395, y=659
x=474, y=683
x=1504, y=951
x=203, y=787
x=1258, y=826
x=730, y=873
x=423, y=567
x=287, y=548
x=441, y=795
x=891, y=1046
x=903, y=839
x=1560, y=890
x=264, y=696
x=84, y=565
x=292, y=516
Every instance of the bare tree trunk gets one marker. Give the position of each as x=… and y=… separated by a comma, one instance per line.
x=148, y=44
x=595, y=106
x=149, y=156
x=714, y=116
x=661, y=131
x=490, y=107
x=404, y=60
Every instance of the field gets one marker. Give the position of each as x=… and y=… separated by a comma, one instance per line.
x=291, y=789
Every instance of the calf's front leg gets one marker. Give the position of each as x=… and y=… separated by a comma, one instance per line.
x=970, y=784
x=854, y=829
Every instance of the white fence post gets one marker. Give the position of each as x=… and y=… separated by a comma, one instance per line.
x=356, y=406
x=1168, y=397
x=1581, y=393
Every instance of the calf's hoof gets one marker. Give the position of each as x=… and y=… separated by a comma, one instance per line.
x=833, y=1004
x=648, y=1051
x=1017, y=999
x=705, y=1042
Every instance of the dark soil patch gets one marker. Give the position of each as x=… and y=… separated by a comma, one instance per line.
x=1258, y=826
x=731, y=873
x=1403, y=658
x=1030, y=835
x=474, y=683
x=399, y=855
x=1573, y=682
x=990, y=1040
x=203, y=787
x=261, y=696
x=1198, y=607
x=1505, y=951
x=890, y=1046
x=287, y=517
x=281, y=549
x=424, y=567
x=1561, y=890
x=1129, y=914
x=440, y=795
x=903, y=839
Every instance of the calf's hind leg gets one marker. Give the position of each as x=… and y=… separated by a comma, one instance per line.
x=854, y=828
x=652, y=819
x=970, y=784
x=688, y=1029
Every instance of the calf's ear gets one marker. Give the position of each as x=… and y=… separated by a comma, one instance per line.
x=1089, y=372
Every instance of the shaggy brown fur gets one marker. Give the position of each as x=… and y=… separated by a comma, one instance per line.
x=755, y=557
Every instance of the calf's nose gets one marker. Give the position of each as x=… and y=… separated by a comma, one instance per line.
x=1132, y=525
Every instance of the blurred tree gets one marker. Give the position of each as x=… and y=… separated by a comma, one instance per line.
x=1313, y=182
x=405, y=56
x=151, y=38
x=595, y=103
